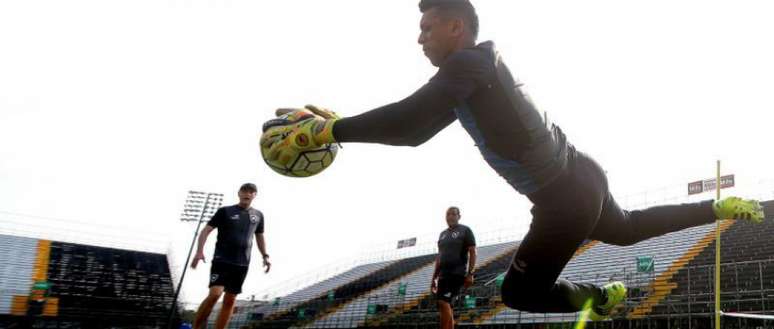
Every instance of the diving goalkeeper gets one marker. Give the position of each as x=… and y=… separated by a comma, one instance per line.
x=568, y=189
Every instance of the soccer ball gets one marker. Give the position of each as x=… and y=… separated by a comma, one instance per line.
x=306, y=163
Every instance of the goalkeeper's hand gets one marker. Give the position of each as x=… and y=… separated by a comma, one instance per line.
x=296, y=130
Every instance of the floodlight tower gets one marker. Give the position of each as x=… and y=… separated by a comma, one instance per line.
x=199, y=207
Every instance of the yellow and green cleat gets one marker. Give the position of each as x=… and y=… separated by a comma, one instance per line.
x=616, y=293
x=738, y=208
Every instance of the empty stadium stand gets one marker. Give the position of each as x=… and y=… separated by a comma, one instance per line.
x=17, y=264
x=312, y=308
x=67, y=284
x=320, y=289
x=315, y=291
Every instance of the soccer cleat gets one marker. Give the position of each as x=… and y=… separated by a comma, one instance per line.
x=738, y=208
x=615, y=293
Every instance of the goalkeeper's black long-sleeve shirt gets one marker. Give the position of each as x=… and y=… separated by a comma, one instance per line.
x=474, y=86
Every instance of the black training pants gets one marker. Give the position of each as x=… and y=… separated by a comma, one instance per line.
x=575, y=207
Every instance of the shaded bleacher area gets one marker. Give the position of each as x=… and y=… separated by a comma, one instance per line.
x=425, y=309
x=676, y=293
x=85, y=286
x=123, y=285
x=330, y=296
x=388, y=297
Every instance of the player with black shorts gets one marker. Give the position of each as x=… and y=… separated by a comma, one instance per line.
x=568, y=189
x=237, y=225
x=454, y=266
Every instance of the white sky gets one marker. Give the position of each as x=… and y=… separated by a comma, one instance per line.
x=111, y=110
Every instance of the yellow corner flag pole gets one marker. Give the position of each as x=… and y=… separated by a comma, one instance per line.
x=717, y=254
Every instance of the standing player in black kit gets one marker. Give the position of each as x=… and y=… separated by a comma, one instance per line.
x=454, y=266
x=568, y=189
x=236, y=225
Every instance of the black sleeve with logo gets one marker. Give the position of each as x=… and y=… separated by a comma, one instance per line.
x=470, y=240
x=259, y=227
x=217, y=218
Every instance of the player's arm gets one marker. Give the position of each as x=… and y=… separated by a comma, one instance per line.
x=469, y=277
x=214, y=223
x=420, y=116
x=261, y=243
x=202, y=240
x=470, y=243
x=409, y=122
x=436, y=272
x=471, y=260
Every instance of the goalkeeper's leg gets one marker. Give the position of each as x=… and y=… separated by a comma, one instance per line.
x=531, y=283
x=565, y=213
x=622, y=227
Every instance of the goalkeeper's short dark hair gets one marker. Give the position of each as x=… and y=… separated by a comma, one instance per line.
x=460, y=8
x=248, y=187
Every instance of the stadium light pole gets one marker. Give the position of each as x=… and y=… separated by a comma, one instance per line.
x=199, y=206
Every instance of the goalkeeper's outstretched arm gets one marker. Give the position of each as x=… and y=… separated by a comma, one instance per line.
x=409, y=122
x=419, y=117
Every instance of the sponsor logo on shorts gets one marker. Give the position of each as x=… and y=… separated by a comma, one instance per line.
x=447, y=295
x=213, y=277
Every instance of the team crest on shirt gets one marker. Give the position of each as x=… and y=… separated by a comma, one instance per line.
x=455, y=234
x=253, y=219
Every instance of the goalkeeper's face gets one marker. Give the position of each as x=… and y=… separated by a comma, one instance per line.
x=438, y=36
